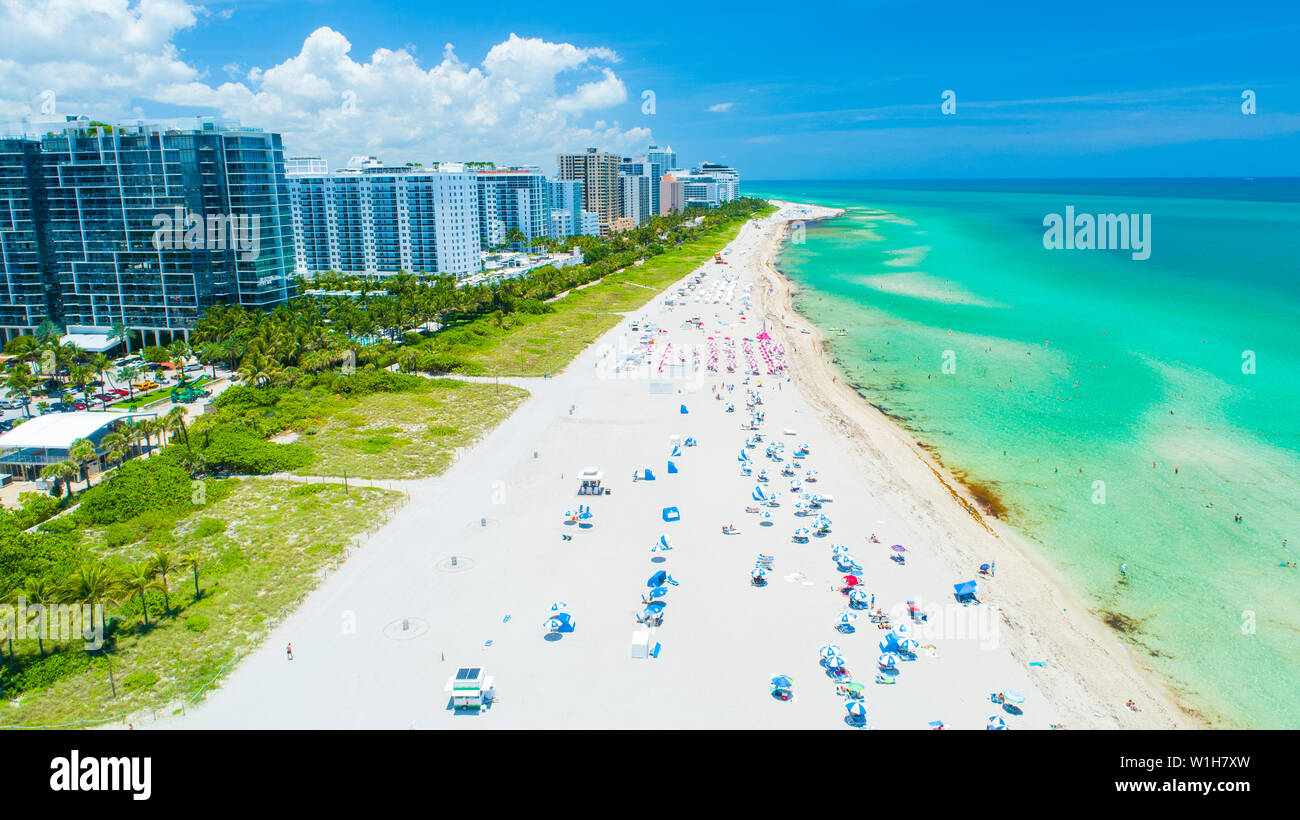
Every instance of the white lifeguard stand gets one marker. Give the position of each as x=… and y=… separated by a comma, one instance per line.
x=470, y=688
x=589, y=481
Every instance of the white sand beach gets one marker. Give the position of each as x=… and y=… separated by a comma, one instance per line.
x=499, y=511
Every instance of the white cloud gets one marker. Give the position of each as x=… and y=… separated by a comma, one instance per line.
x=526, y=101
x=722, y=106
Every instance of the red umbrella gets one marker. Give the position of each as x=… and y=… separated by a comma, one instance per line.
x=851, y=580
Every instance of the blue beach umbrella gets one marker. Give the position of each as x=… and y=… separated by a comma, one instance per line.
x=553, y=624
x=888, y=661
x=856, y=709
x=658, y=592
x=847, y=618
x=655, y=607
x=996, y=723
x=1012, y=696
x=829, y=650
x=559, y=606
x=857, y=596
x=758, y=494
x=833, y=661
x=839, y=549
x=782, y=682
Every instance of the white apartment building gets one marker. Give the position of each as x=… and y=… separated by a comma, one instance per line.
x=370, y=219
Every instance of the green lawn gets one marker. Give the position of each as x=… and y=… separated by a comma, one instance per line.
x=404, y=435
x=264, y=545
x=542, y=344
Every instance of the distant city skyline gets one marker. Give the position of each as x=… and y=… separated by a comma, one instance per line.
x=1121, y=92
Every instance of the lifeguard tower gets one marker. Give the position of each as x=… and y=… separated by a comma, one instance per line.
x=589, y=482
x=470, y=688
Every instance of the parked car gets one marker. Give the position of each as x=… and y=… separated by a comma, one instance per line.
x=120, y=391
x=193, y=366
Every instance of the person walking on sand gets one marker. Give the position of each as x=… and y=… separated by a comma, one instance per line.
x=288, y=651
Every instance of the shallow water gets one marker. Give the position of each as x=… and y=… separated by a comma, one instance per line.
x=1053, y=381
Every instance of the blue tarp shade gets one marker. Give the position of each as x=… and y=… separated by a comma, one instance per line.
x=649, y=476
x=672, y=468
x=965, y=589
x=683, y=409
x=671, y=514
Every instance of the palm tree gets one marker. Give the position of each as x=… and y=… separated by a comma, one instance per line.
x=139, y=578
x=48, y=332
x=128, y=375
x=174, y=422
x=116, y=446
x=60, y=471
x=82, y=452
x=190, y=560
x=91, y=584
x=100, y=364
x=36, y=592
x=120, y=333
x=164, y=562
x=19, y=382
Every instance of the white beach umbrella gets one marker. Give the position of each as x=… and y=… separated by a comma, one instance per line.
x=833, y=661
x=830, y=649
x=839, y=549
x=996, y=723
x=847, y=618
x=559, y=606
x=856, y=708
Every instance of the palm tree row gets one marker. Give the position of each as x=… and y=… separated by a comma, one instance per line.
x=99, y=585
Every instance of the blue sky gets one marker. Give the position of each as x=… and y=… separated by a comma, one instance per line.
x=835, y=90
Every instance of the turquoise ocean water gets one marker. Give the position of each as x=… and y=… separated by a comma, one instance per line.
x=1118, y=411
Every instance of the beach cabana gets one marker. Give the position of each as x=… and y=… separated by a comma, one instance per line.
x=672, y=467
x=965, y=591
x=683, y=410
x=671, y=514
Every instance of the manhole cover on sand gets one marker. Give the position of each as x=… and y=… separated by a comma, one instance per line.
x=457, y=563
x=404, y=629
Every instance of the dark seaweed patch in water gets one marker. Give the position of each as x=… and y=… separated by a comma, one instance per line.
x=1121, y=623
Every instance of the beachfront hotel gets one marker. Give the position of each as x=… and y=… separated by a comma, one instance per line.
x=598, y=172
x=708, y=185
x=568, y=217
x=78, y=202
x=372, y=219
x=512, y=199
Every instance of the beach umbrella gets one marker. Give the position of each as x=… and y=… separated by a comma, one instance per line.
x=758, y=574
x=901, y=629
x=844, y=559
x=833, y=661
x=654, y=607
x=856, y=709
x=847, y=618
x=559, y=606
x=658, y=579
x=996, y=723
x=851, y=580
x=908, y=645
x=553, y=624
x=1012, y=696
x=839, y=549
x=758, y=494
x=767, y=515
x=658, y=592
x=743, y=456
x=782, y=682
x=802, y=532
x=857, y=596
x=966, y=588
x=664, y=542
x=888, y=661
x=829, y=650
x=899, y=548
x=854, y=689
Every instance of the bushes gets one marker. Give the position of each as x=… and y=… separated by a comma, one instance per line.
x=197, y=623
x=134, y=488
x=139, y=680
x=241, y=451
x=209, y=526
x=41, y=673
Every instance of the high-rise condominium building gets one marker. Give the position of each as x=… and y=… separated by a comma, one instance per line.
x=598, y=172
x=635, y=198
x=706, y=186
x=370, y=219
x=512, y=199
x=568, y=217
x=662, y=160
x=144, y=224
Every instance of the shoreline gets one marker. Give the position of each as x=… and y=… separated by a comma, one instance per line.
x=1027, y=586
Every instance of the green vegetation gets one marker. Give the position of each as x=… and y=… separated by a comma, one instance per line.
x=168, y=639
